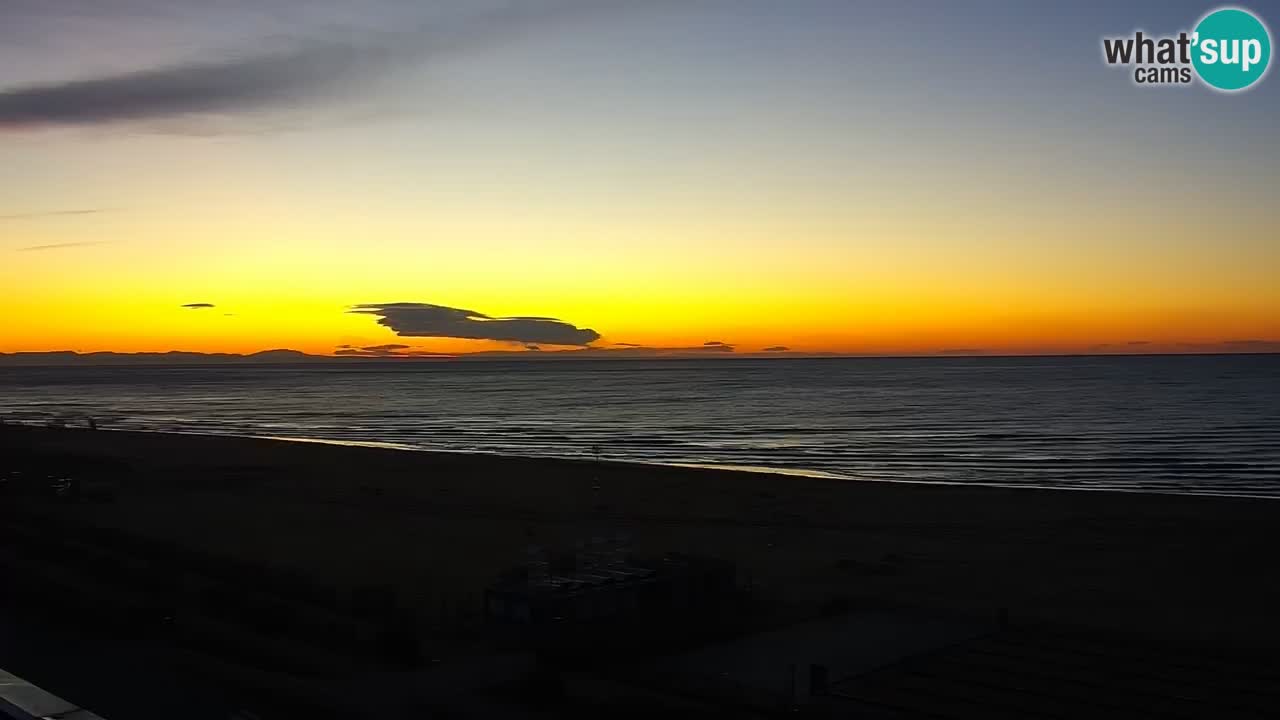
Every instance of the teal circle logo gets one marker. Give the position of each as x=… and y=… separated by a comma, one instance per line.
x=1232, y=49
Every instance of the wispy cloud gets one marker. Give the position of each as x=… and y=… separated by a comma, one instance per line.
x=408, y=319
x=1144, y=347
x=633, y=350
x=61, y=246
x=182, y=90
x=1253, y=345
x=52, y=214
x=533, y=350
x=715, y=346
x=389, y=350
x=285, y=77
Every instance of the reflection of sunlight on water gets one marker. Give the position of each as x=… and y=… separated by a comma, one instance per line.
x=763, y=469
x=348, y=443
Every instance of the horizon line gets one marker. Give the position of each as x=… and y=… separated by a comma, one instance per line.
x=252, y=358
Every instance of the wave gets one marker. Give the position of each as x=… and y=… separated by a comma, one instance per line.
x=1190, y=425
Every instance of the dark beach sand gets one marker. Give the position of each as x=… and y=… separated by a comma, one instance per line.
x=1200, y=570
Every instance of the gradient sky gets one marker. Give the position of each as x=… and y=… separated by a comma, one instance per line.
x=829, y=176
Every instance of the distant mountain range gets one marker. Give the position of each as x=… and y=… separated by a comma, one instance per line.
x=70, y=357
x=287, y=357
x=65, y=358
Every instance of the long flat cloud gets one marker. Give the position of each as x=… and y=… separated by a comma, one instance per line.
x=280, y=78
x=60, y=246
x=409, y=319
x=51, y=214
x=182, y=90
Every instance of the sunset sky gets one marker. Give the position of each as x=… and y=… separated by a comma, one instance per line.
x=820, y=175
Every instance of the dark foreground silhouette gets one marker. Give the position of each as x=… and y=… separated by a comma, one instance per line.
x=157, y=576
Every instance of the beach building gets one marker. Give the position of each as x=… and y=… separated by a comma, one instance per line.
x=602, y=582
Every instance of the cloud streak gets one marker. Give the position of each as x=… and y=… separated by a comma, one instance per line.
x=408, y=319
x=240, y=84
x=388, y=350
x=182, y=90
x=52, y=214
x=60, y=246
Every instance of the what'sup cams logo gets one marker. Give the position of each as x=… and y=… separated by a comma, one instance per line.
x=1229, y=50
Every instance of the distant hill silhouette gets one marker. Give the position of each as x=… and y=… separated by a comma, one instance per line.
x=348, y=355
x=69, y=357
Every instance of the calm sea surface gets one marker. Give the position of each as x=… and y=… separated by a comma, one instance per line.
x=1203, y=424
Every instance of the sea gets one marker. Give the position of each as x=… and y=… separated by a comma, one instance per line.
x=1175, y=424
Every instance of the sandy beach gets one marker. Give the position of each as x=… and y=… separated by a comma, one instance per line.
x=439, y=527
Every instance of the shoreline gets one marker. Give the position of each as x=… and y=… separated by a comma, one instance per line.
x=714, y=467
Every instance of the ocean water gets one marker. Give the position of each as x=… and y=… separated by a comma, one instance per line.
x=1190, y=424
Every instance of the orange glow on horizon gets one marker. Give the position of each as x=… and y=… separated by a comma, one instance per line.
x=839, y=202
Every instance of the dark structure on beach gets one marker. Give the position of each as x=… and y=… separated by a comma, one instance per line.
x=563, y=601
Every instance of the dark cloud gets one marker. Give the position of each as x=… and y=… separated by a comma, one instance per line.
x=1145, y=347
x=282, y=78
x=712, y=342
x=777, y=349
x=426, y=320
x=1225, y=346
x=1250, y=346
x=198, y=306
x=217, y=87
x=617, y=350
x=61, y=246
x=387, y=350
x=632, y=349
x=51, y=214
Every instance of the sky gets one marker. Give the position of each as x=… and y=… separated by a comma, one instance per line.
x=815, y=176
